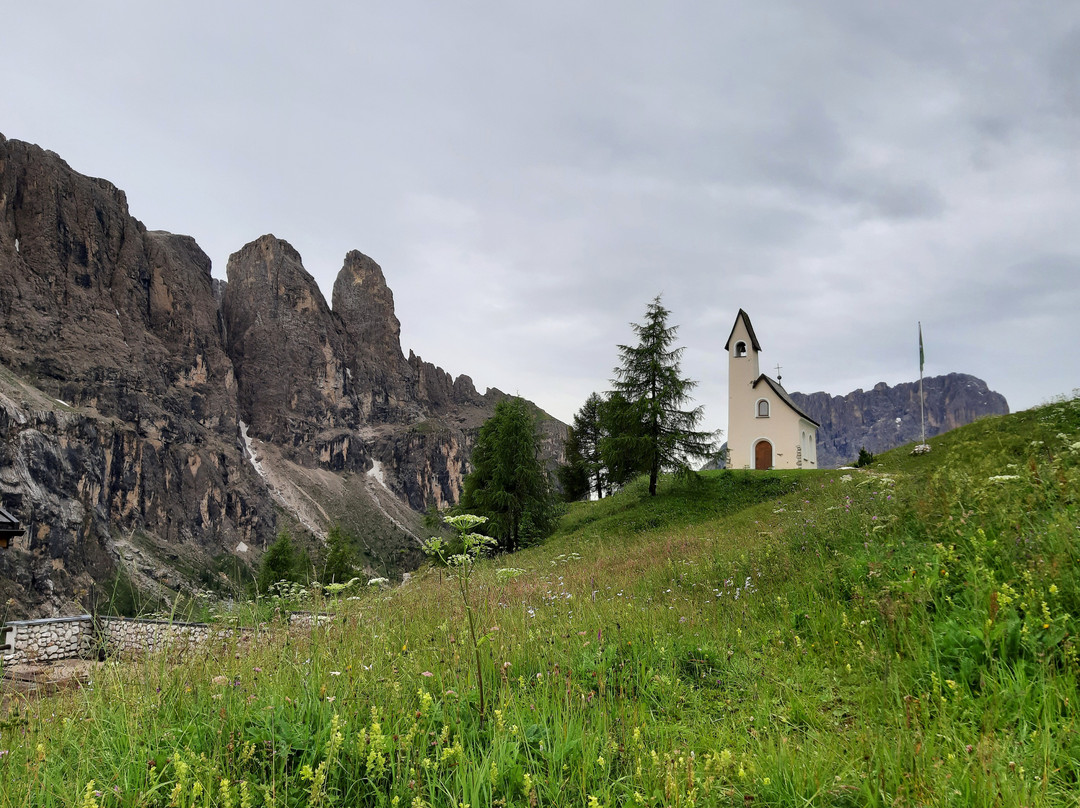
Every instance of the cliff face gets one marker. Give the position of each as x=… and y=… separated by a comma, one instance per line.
x=331, y=387
x=155, y=419
x=117, y=399
x=886, y=417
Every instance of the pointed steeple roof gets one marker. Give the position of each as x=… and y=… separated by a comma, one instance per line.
x=749, y=329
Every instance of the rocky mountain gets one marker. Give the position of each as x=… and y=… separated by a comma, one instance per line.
x=159, y=422
x=886, y=417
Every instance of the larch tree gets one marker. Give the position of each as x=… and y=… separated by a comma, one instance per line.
x=509, y=483
x=585, y=471
x=656, y=431
x=573, y=474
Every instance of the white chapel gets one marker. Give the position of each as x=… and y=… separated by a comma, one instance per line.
x=766, y=430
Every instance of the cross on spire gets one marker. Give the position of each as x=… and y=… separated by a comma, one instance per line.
x=778, y=371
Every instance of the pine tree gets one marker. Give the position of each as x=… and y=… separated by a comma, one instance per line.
x=340, y=563
x=656, y=432
x=623, y=452
x=585, y=470
x=278, y=563
x=574, y=473
x=509, y=484
x=589, y=425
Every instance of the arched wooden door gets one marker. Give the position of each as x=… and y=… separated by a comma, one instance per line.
x=763, y=455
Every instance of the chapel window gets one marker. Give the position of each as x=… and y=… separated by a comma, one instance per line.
x=763, y=408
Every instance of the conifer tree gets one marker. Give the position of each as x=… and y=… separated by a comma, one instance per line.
x=278, y=563
x=655, y=431
x=585, y=470
x=340, y=563
x=509, y=484
x=573, y=474
x=623, y=452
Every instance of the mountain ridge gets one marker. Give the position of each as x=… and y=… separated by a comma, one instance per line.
x=885, y=417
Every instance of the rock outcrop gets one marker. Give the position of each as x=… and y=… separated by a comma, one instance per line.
x=155, y=419
x=886, y=417
x=332, y=387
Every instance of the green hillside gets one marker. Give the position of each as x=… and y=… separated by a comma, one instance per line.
x=899, y=635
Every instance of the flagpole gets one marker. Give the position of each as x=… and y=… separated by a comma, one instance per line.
x=922, y=399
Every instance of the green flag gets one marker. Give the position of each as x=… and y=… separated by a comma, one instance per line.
x=922, y=356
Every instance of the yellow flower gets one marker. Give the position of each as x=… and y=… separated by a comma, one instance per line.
x=89, y=798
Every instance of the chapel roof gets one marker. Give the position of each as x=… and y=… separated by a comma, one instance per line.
x=749, y=329
x=783, y=394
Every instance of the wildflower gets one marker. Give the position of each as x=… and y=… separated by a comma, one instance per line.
x=427, y=673
x=593, y=802
x=1053, y=589
x=88, y=796
x=426, y=700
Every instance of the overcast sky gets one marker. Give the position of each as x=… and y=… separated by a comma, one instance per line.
x=530, y=175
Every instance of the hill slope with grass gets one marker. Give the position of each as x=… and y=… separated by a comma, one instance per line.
x=900, y=635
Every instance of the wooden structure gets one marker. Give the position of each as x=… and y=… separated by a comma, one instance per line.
x=9, y=528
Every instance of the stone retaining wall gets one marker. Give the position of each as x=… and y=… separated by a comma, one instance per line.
x=46, y=640
x=127, y=637
x=69, y=637
x=309, y=619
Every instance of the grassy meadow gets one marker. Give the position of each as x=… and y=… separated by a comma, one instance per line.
x=898, y=635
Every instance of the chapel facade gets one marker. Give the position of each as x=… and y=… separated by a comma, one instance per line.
x=766, y=429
